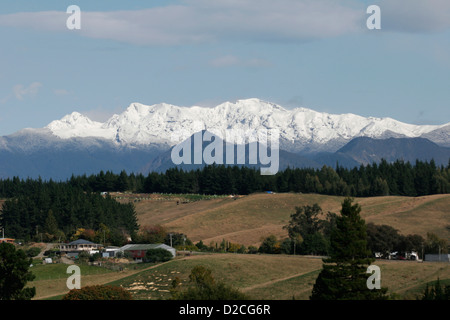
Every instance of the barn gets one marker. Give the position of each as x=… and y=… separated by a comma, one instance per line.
x=138, y=250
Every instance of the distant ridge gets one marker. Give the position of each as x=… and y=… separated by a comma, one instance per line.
x=367, y=150
x=140, y=138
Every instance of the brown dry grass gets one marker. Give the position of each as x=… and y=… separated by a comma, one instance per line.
x=54, y=287
x=248, y=219
x=279, y=277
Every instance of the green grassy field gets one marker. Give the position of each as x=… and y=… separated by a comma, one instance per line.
x=59, y=271
x=51, y=279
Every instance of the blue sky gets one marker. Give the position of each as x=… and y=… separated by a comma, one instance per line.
x=316, y=54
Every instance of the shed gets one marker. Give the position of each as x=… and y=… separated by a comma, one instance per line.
x=138, y=250
x=437, y=257
x=110, y=252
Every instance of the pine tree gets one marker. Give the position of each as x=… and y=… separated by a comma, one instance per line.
x=51, y=225
x=344, y=274
x=14, y=274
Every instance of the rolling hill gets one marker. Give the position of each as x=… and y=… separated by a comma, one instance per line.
x=246, y=219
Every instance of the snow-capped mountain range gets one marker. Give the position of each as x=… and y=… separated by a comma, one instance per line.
x=301, y=129
x=140, y=138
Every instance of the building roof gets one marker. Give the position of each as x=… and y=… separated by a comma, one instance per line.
x=81, y=241
x=145, y=246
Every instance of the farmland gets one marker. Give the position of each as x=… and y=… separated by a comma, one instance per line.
x=246, y=220
x=260, y=277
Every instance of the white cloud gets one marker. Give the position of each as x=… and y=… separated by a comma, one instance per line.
x=20, y=92
x=415, y=15
x=200, y=21
x=206, y=21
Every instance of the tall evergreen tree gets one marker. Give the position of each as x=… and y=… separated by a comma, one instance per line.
x=14, y=274
x=344, y=276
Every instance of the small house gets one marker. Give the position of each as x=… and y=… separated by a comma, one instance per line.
x=7, y=240
x=79, y=246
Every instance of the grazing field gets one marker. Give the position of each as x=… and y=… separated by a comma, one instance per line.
x=276, y=277
x=260, y=277
x=245, y=220
x=51, y=279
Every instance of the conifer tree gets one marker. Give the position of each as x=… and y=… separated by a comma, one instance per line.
x=14, y=274
x=344, y=276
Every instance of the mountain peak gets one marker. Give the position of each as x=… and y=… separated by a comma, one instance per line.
x=142, y=124
x=75, y=117
x=77, y=125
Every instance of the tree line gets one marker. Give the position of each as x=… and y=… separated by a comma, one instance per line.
x=57, y=211
x=396, y=178
x=310, y=233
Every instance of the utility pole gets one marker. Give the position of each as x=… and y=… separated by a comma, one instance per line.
x=423, y=258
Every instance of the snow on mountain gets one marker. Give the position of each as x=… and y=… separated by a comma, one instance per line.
x=164, y=123
x=78, y=125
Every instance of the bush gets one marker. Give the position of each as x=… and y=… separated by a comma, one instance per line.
x=33, y=252
x=96, y=256
x=98, y=292
x=157, y=255
x=436, y=291
x=252, y=250
x=201, y=246
x=83, y=257
x=51, y=253
x=270, y=245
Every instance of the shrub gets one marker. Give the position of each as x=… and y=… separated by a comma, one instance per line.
x=270, y=245
x=84, y=257
x=51, y=253
x=98, y=292
x=252, y=249
x=436, y=291
x=96, y=256
x=33, y=252
x=157, y=255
